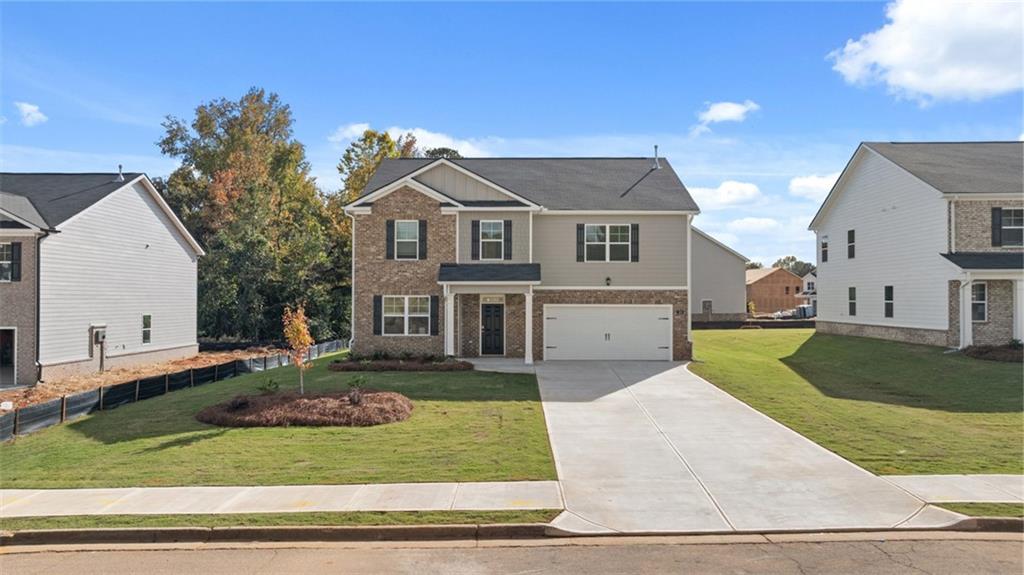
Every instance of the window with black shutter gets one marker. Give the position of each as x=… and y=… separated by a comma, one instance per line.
x=10, y=262
x=474, y=238
x=1011, y=224
x=508, y=239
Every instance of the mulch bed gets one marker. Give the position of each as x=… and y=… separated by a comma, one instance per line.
x=400, y=365
x=1007, y=353
x=326, y=409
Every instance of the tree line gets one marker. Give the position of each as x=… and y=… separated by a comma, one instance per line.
x=274, y=239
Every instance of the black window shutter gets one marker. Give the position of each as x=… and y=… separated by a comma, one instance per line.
x=508, y=239
x=390, y=239
x=16, y=261
x=474, y=238
x=423, y=239
x=378, y=314
x=580, y=234
x=433, y=314
x=634, y=242
x=997, y=227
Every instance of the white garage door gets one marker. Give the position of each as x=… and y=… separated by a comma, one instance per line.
x=608, y=332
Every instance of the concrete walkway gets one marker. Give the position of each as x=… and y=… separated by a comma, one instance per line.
x=484, y=496
x=963, y=488
x=650, y=447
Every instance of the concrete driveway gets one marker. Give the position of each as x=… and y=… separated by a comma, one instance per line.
x=650, y=447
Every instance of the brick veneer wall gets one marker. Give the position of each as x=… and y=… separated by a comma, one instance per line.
x=18, y=309
x=376, y=275
x=935, y=337
x=997, y=329
x=974, y=224
x=682, y=350
x=769, y=293
x=469, y=325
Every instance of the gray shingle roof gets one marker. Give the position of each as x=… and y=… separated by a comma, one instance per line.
x=960, y=167
x=567, y=183
x=55, y=198
x=489, y=273
x=987, y=260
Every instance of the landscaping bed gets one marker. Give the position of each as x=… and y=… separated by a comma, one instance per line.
x=890, y=407
x=1011, y=353
x=411, y=364
x=287, y=409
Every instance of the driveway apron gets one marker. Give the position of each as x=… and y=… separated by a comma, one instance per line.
x=649, y=447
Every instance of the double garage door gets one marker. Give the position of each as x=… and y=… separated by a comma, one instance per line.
x=608, y=332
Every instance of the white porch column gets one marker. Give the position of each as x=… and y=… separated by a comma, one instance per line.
x=966, y=326
x=528, y=354
x=449, y=321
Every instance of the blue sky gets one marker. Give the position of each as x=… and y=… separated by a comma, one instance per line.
x=757, y=106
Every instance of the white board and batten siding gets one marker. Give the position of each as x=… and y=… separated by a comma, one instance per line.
x=900, y=229
x=451, y=182
x=111, y=264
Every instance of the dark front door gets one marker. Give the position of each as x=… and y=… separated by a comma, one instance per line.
x=492, y=329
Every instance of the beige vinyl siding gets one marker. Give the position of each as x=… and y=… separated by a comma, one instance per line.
x=718, y=275
x=451, y=182
x=112, y=263
x=900, y=226
x=662, y=252
x=520, y=235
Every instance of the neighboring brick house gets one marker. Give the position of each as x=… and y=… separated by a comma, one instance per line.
x=924, y=242
x=96, y=271
x=533, y=258
x=773, y=289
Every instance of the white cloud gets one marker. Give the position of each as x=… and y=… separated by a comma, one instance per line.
x=426, y=139
x=813, y=187
x=723, y=112
x=728, y=194
x=348, y=132
x=30, y=114
x=940, y=49
x=753, y=225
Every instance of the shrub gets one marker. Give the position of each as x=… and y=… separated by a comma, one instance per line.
x=268, y=387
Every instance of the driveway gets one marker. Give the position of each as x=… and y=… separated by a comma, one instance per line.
x=650, y=447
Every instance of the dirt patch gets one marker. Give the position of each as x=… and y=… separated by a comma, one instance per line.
x=400, y=365
x=1008, y=353
x=287, y=409
x=70, y=385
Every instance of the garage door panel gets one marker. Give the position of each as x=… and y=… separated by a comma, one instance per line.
x=608, y=332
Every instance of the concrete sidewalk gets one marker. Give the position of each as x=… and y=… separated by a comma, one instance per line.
x=483, y=496
x=963, y=488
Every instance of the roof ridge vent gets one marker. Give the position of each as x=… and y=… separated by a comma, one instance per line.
x=120, y=173
x=656, y=165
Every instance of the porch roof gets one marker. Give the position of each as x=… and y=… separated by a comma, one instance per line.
x=489, y=273
x=987, y=260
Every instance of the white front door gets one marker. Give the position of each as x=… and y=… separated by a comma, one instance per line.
x=608, y=332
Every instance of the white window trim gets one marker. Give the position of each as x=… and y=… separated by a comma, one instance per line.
x=823, y=250
x=405, y=316
x=852, y=300
x=501, y=226
x=607, y=243
x=850, y=244
x=417, y=223
x=886, y=301
x=145, y=329
x=1003, y=228
x=983, y=302
x=9, y=262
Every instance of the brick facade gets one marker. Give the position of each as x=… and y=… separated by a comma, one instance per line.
x=974, y=225
x=682, y=349
x=997, y=329
x=935, y=337
x=775, y=291
x=18, y=309
x=377, y=275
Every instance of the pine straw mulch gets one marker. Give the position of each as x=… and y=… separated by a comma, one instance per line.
x=76, y=384
x=326, y=409
x=400, y=365
x=1008, y=353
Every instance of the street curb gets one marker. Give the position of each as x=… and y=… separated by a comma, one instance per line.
x=292, y=533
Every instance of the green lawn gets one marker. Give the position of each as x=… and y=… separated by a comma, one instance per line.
x=279, y=519
x=465, y=426
x=987, y=509
x=892, y=408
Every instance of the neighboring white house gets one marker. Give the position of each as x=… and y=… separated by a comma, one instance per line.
x=922, y=242
x=719, y=281
x=809, y=293
x=106, y=275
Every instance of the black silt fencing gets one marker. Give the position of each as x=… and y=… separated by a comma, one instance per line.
x=35, y=417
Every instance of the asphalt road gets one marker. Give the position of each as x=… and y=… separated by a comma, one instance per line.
x=867, y=556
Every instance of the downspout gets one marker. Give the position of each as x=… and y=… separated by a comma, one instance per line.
x=352, y=286
x=689, y=280
x=952, y=225
x=39, y=259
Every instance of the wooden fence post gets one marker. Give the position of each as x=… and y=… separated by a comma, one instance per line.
x=63, y=408
x=191, y=377
x=137, y=391
x=215, y=371
x=17, y=417
x=265, y=361
x=167, y=383
x=101, y=398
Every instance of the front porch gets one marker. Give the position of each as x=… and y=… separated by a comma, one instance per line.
x=987, y=302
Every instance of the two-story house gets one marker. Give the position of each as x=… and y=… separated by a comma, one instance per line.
x=96, y=272
x=772, y=289
x=922, y=242
x=533, y=258
x=809, y=293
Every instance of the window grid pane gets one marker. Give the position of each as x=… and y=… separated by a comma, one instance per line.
x=6, y=253
x=619, y=234
x=419, y=325
x=419, y=306
x=407, y=250
x=407, y=230
x=394, y=325
x=595, y=252
x=595, y=233
x=491, y=250
x=394, y=305
x=492, y=230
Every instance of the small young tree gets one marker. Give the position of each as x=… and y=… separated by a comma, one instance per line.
x=296, y=331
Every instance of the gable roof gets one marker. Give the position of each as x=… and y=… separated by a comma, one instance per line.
x=55, y=198
x=759, y=274
x=565, y=183
x=726, y=248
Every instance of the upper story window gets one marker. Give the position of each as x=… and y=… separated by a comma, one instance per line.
x=810, y=286
x=979, y=301
x=6, y=262
x=607, y=243
x=851, y=240
x=406, y=315
x=852, y=301
x=492, y=240
x=889, y=301
x=407, y=239
x=787, y=290
x=1012, y=227
x=147, y=328
x=824, y=250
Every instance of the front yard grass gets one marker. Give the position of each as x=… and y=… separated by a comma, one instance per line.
x=465, y=426
x=987, y=509
x=281, y=519
x=891, y=408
